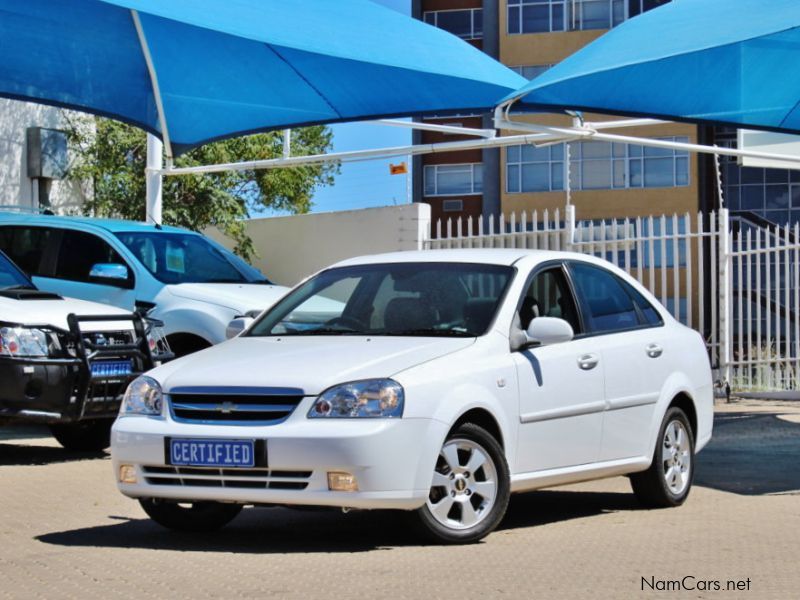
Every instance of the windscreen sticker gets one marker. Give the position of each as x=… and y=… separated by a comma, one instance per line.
x=175, y=259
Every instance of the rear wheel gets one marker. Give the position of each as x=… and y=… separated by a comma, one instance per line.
x=668, y=480
x=470, y=488
x=85, y=436
x=196, y=516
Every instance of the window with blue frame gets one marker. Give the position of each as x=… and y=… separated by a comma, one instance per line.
x=595, y=166
x=772, y=194
x=544, y=16
x=466, y=24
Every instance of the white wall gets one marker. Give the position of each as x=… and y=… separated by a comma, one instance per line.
x=291, y=248
x=16, y=188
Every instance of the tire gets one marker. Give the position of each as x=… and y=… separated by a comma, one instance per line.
x=85, y=436
x=463, y=506
x=196, y=517
x=669, y=479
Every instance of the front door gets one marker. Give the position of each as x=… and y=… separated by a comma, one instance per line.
x=561, y=386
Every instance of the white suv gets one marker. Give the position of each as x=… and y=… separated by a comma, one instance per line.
x=66, y=362
x=195, y=286
x=438, y=382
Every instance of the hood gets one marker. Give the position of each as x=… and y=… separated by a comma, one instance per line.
x=54, y=313
x=239, y=297
x=311, y=364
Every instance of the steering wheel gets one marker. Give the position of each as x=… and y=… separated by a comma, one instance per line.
x=345, y=321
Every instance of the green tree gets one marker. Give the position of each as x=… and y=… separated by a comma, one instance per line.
x=109, y=161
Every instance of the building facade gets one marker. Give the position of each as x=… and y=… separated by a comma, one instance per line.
x=607, y=181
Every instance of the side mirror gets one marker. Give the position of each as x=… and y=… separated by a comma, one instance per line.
x=237, y=326
x=111, y=274
x=546, y=331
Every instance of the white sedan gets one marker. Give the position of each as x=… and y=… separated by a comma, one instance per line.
x=442, y=382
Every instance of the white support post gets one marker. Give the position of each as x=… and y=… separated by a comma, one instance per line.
x=287, y=143
x=571, y=225
x=725, y=297
x=154, y=179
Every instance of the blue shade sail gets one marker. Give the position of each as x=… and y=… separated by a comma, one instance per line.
x=729, y=62
x=230, y=67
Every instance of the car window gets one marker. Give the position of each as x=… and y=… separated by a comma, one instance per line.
x=187, y=258
x=650, y=314
x=416, y=299
x=10, y=276
x=25, y=246
x=549, y=296
x=608, y=304
x=79, y=252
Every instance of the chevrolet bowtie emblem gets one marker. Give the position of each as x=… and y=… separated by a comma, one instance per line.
x=226, y=408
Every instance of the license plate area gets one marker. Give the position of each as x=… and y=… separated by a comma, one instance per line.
x=217, y=453
x=112, y=368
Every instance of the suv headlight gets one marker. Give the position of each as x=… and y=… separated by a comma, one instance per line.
x=143, y=397
x=372, y=398
x=21, y=342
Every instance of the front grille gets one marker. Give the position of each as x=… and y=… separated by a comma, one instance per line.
x=261, y=479
x=232, y=407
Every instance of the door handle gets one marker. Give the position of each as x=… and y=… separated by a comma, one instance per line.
x=587, y=362
x=654, y=350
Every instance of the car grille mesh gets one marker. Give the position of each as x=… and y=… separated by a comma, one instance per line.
x=232, y=408
x=227, y=478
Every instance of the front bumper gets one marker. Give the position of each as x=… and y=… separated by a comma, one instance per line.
x=392, y=460
x=63, y=388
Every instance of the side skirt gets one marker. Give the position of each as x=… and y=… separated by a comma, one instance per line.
x=522, y=482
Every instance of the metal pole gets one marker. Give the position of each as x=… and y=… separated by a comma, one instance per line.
x=725, y=297
x=155, y=164
x=287, y=143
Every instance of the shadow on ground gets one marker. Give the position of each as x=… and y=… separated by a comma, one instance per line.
x=283, y=530
x=27, y=455
x=752, y=454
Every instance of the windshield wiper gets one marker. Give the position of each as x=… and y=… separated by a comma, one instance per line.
x=324, y=331
x=428, y=333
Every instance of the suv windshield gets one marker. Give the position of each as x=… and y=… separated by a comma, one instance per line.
x=11, y=277
x=402, y=299
x=188, y=258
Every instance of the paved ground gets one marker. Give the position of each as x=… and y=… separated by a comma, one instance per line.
x=66, y=533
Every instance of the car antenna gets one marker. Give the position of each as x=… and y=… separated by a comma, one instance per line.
x=155, y=223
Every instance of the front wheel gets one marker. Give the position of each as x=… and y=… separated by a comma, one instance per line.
x=84, y=436
x=668, y=480
x=195, y=517
x=470, y=488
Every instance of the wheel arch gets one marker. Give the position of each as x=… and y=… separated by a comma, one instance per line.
x=482, y=418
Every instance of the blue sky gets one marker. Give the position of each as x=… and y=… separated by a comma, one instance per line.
x=365, y=184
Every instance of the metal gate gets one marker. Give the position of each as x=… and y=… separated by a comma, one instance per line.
x=734, y=282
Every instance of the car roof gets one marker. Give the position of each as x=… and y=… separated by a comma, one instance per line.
x=489, y=256
x=111, y=225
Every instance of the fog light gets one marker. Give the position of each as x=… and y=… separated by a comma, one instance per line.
x=127, y=474
x=342, y=482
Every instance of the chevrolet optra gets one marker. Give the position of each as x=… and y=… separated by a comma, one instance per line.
x=433, y=382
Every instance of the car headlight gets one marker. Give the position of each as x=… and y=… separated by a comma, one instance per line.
x=21, y=342
x=143, y=397
x=372, y=398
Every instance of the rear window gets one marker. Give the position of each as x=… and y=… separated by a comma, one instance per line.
x=26, y=246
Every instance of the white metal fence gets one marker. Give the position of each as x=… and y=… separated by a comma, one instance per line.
x=738, y=289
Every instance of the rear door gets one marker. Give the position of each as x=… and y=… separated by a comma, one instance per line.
x=634, y=347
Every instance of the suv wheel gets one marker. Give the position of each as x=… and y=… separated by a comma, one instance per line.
x=470, y=488
x=85, y=436
x=668, y=480
x=196, y=517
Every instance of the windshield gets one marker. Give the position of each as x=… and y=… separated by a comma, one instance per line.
x=11, y=277
x=188, y=258
x=402, y=299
